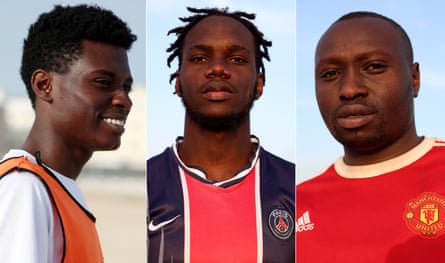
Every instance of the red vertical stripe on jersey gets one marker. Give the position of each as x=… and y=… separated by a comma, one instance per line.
x=222, y=221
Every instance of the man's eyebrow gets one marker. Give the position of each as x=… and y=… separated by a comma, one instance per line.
x=330, y=60
x=110, y=74
x=359, y=57
x=200, y=47
x=104, y=72
x=233, y=48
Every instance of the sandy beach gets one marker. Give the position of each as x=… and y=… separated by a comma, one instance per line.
x=119, y=205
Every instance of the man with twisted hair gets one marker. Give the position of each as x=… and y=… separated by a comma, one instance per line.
x=216, y=195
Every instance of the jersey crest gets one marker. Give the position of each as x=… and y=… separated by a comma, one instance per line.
x=281, y=223
x=425, y=215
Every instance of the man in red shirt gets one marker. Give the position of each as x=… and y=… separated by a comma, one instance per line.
x=384, y=200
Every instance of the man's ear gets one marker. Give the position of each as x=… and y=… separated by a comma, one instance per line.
x=41, y=85
x=259, y=85
x=178, y=88
x=415, y=72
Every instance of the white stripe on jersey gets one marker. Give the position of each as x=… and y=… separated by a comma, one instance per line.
x=186, y=216
x=259, y=217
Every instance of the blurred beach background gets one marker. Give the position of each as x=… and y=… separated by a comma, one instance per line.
x=118, y=202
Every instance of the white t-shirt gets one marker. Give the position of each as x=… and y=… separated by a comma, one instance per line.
x=30, y=228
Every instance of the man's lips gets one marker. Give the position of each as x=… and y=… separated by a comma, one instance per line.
x=116, y=121
x=354, y=116
x=217, y=91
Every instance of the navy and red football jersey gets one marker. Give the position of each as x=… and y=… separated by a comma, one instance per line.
x=248, y=219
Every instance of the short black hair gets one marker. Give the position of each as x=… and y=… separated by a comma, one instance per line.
x=359, y=14
x=261, y=44
x=55, y=39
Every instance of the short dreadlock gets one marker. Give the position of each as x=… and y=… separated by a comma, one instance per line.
x=181, y=32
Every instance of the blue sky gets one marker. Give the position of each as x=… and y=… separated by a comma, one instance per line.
x=423, y=22
x=273, y=116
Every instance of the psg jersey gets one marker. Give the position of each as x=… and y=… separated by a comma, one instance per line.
x=247, y=219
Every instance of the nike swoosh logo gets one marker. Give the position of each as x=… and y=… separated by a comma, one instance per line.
x=152, y=227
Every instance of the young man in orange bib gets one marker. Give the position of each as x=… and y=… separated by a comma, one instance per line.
x=76, y=72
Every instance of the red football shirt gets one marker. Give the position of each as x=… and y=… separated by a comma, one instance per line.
x=392, y=211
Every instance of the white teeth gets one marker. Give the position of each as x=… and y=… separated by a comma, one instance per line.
x=115, y=121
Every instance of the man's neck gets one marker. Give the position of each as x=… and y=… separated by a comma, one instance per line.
x=53, y=153
x=220, y=154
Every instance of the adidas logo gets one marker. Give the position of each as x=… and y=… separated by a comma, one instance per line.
x=304, y=223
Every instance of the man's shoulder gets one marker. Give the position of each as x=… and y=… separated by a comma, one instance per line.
x=325, y=176
x=9, y=174
x=437, y=143
x=277, y=169
x=162, y=165
x=22, y=185
x=270, y=157
x=20, y=177
x=160, y=156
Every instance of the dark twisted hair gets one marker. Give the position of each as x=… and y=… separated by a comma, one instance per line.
x=261, y=44
x=54, y=40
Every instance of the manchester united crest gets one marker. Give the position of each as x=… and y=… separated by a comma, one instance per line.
x=425, y=215
x=281, y=223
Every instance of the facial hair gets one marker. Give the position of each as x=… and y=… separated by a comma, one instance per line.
x=227, y=122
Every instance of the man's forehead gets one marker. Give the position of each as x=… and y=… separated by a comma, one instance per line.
x=228, y=31
x=228, y=48
x=219, y=18
x=213, y=23
x=363, y=24
x=361, y=37
x=356, y=27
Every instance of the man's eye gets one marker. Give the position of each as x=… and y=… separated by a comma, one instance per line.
x=103, y=82
x=376, y=67
x=198, y=59
x=330, y=74
x=237, y=60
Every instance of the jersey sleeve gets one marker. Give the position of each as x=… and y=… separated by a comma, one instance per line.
x=26, y=219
